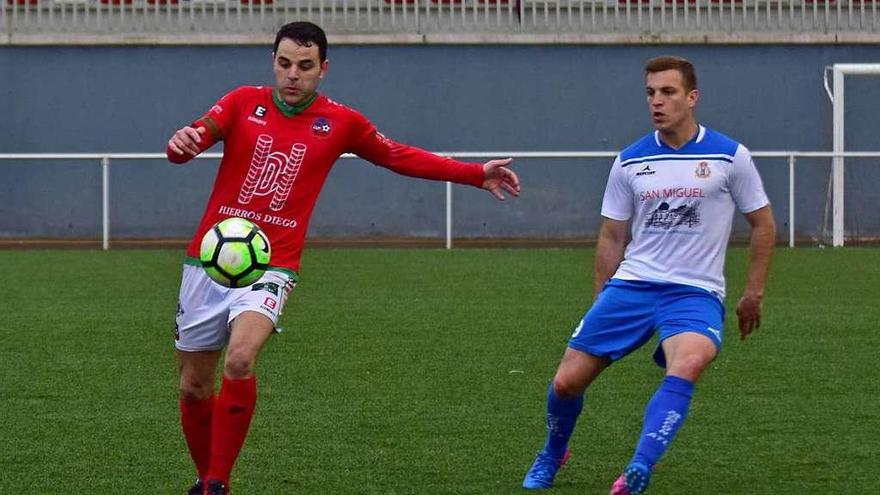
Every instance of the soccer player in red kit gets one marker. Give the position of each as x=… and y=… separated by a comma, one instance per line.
x=279, y=146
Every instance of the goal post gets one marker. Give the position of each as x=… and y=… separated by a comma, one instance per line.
x=836, y=93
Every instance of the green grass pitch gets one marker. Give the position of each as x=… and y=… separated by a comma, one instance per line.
x=424, y=372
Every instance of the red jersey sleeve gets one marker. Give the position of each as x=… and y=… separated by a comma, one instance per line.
x=370, y=144
x=217, y=123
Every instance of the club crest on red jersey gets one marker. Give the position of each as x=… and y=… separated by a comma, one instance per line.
x=321, y=127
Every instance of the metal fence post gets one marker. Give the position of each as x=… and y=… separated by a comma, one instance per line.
x=105, y=202
x=837, y=162
x=791, y=160
x=449, y=215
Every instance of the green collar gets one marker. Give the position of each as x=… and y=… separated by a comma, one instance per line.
x=291, y=110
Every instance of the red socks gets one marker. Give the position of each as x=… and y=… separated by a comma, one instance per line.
x=232, y=414
x=195, y=417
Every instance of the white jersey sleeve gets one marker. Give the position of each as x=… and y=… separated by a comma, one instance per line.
x=746, y=187
x=617, y=204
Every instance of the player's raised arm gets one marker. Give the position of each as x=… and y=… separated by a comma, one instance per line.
x=494, y=175
x=186, y=143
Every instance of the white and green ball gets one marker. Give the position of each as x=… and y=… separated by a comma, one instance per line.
x=235, y=252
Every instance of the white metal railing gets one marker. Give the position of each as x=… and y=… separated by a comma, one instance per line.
x=105, y=160
x=417, y=21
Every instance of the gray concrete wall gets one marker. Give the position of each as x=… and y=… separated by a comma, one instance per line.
x=468, y=98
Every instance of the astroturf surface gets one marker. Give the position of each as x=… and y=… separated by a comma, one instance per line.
x=425, y=371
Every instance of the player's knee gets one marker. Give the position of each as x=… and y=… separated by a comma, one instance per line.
x=192, y=389
x=689, y=366
x=576, y=372
x=568, y=386
x=239, y=364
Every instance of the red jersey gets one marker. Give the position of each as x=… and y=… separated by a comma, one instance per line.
x=276, y=158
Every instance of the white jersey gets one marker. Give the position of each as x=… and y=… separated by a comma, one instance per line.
x=681, y=203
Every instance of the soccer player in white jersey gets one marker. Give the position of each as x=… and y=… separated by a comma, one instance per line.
x=677, y=189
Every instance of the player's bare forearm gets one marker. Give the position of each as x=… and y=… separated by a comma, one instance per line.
x=609, y=252
x=749, y=308
x=761, y=244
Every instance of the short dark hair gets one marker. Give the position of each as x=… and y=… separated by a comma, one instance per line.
x=303, y=33
x=682, y=65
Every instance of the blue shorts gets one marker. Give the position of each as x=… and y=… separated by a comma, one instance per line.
x=627, y=313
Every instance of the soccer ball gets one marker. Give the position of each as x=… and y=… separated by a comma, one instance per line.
x=235, y=252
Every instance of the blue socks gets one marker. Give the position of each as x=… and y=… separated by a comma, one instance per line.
x=664, y=415
x=562, y=415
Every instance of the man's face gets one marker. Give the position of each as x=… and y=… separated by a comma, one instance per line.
x=298, y=71
x=670, y=104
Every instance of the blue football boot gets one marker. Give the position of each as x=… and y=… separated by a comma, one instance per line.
x=543, y=471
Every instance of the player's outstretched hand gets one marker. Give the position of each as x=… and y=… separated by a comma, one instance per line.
x=748, y=312
x=497, y=178
x=186, y=141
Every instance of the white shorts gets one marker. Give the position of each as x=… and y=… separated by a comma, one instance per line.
x=205, y=308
